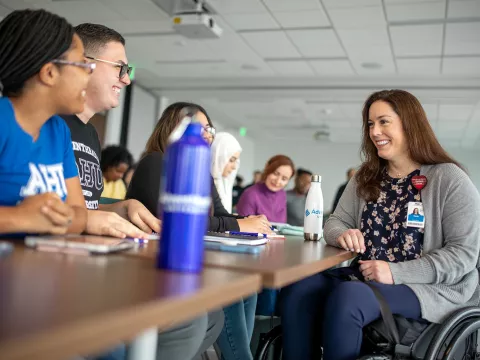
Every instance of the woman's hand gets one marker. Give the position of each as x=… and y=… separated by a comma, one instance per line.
x=256, y=224
x=376, y=270
x=352, y=240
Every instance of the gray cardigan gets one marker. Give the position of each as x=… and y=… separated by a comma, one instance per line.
x=445, y=278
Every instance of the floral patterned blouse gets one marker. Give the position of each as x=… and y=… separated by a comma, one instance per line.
x=384, y=222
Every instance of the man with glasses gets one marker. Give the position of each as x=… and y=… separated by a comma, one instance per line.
x=105, y=48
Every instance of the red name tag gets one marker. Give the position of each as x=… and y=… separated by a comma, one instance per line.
x=419, y=181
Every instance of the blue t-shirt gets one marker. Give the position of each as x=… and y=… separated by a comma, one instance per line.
x=29, y=168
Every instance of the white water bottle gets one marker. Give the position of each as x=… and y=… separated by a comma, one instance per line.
x=313, y=220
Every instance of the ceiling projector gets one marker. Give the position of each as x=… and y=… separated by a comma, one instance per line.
x=197, y=26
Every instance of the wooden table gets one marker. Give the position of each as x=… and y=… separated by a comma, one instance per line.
x=281, y=263
x=55, y=306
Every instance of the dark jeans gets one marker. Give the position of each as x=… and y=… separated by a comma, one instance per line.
x=325, y=310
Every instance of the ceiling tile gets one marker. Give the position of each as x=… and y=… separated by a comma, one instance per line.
x=289, y=5
x=463, y=9
x=364, y=38
x=332, y=67
x=167, y=49
x=419, y=66
x=462, y=39
x=127, y=28
x=271, y=44
x=375, y=61
x=76, y=11
x=316, y=43
x=136, y=10
x=256, y=21
x=450, y=113
x=204, y=70
x=297, y=19
x=335, y=4
x=409, y=1
x=357, y=17
x=237, y=7
x=291, y=67
x=461, y=66
x=416, y=11
x=417, y=40
x=234, y=48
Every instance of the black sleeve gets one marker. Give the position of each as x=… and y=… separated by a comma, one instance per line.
x=145, y=187
x=222, y=220
x=218, y=208
x=145, y=184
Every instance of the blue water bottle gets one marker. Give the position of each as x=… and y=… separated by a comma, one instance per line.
x=184, y=201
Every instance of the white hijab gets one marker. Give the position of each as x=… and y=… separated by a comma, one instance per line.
x=223, y=148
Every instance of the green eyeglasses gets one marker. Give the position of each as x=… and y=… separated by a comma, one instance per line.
x=125, y=69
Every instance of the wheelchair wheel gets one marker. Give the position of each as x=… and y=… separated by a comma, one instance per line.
x=457, y=337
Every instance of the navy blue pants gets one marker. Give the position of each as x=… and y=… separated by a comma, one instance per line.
x=327, y=311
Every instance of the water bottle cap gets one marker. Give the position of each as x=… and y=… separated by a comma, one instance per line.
x=316, y=178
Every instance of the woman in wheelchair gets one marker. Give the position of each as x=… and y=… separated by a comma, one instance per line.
x=423, y=269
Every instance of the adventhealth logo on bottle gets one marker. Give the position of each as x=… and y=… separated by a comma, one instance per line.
x=314, y=212
x=188, y=204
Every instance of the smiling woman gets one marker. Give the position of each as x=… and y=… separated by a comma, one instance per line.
x=419, y=249
x=40, y=76
x=268, y=197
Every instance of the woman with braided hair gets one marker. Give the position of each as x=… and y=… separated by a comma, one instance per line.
x=42, y=73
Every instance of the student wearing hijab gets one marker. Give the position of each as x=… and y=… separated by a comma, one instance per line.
x=226, y=152
x=40, y=76
x=225, y=163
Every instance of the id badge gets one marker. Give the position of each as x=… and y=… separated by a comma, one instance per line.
x=415, y=215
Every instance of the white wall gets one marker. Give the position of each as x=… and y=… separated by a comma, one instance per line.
x=470, y=160
x=143, y=116
x=114, y=123
x=332, y=160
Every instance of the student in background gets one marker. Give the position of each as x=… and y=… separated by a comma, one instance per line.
x=226, y=152
x=257, y=177
x=268, y=197
x=114, y=163
x=341, y=189
x=225, y=162
x=106, y=47
x=237, y=190
x=42, y=73
x=239, y=318
x=297, y=196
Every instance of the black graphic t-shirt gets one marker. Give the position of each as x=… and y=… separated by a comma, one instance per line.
x=87, y=150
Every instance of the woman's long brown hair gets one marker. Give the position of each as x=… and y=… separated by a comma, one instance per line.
x=423, y=145
x=170, y=118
